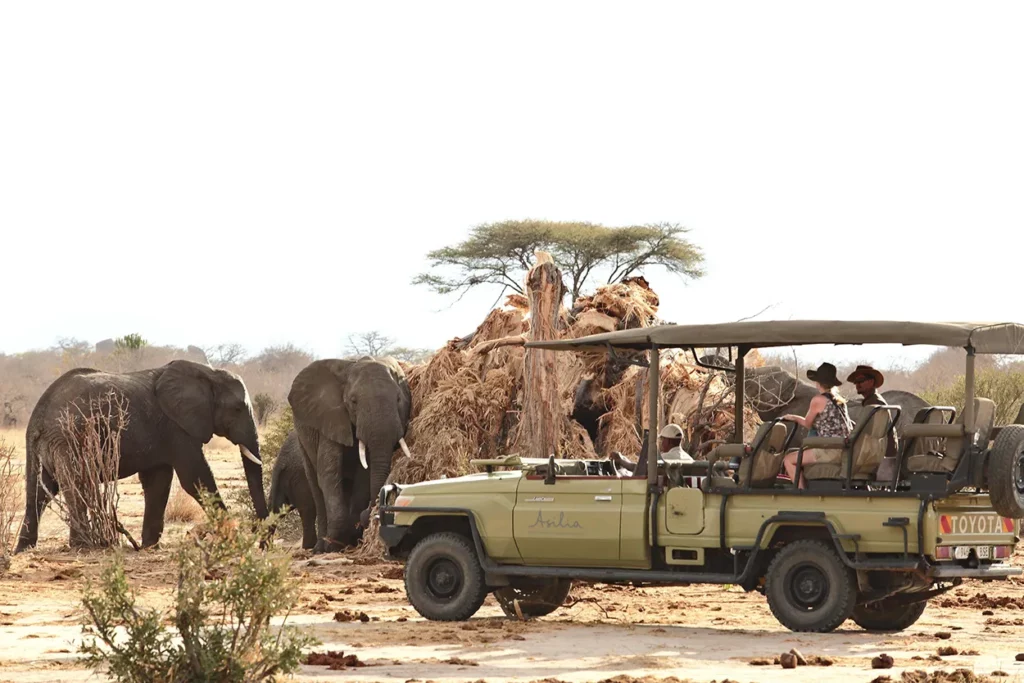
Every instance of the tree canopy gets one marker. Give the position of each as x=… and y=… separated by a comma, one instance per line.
x=501, y=253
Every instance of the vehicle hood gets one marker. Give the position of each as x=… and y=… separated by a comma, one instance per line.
x=480, y=482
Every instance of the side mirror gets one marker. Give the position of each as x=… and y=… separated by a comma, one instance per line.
x=549, y=476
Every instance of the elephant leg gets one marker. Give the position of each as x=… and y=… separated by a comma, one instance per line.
x=78, y=517
x=156, y=488
x=329, y=478
x=307, y=513
x=37, y=498
x=194, y=473
x=319, y=508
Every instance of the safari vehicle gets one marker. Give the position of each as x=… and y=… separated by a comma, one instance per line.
x=847, y=546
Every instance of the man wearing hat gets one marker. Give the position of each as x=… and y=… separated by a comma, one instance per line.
x=670, y=444
x=867, y=380
x=670, y=449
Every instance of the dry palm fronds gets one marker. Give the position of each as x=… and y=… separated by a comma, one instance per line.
x=631, y=301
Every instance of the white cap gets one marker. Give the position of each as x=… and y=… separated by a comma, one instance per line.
x=671, y=431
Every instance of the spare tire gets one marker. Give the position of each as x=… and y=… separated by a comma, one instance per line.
x=1006, y=472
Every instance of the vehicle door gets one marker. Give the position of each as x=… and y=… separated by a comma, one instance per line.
x=572, y=522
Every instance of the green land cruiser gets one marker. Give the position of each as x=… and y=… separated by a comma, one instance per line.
x=847, y=546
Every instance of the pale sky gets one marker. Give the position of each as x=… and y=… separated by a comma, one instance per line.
x=267, y=173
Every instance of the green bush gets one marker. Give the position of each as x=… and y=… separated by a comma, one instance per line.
x=263, y=405
x=227, y=591
x=1005, y=387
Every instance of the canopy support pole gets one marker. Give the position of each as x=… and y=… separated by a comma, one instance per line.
x=741, y=354
x=969, y=392
x=653, y=390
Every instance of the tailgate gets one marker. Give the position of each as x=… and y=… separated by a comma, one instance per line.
x=969, y=528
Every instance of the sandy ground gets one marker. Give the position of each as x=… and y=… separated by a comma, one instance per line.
x=699, y=633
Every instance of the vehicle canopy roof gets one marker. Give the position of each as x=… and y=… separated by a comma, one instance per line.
x=983, y=338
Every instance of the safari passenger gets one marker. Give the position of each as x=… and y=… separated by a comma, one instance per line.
x=827, y=416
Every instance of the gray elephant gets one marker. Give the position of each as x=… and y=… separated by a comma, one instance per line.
x=172, y=411
x=350, y=416
x=289, y=486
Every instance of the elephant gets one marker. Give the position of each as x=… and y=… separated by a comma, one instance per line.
x=172, y=411
x=289, y=486
x=350, y=415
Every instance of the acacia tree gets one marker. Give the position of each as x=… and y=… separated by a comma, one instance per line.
x=501, y=253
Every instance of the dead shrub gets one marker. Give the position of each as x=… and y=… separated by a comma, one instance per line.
x=86, y=471
x=9, y=499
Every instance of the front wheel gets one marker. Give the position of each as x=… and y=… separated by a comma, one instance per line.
x=443, y=578
x=809, y=588
x=887, y=616
x=536, y=599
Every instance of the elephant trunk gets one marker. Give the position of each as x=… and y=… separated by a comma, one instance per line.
x=254, y=478
x=380, y=452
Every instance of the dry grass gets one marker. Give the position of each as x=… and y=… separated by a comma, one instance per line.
x=182, y=507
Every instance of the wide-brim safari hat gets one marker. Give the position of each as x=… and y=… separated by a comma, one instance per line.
x=825, y=375
x=866, y=372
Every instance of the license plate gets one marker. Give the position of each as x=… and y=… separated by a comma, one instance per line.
x=962, y=552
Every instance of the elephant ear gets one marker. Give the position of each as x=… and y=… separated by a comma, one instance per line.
x=185, y=394
x=317, y=398
x=405, y=393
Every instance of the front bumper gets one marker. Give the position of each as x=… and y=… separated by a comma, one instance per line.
x=992, y=571
x=392, y=535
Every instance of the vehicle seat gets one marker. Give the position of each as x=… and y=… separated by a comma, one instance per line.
x=869, y=448
x=767, y=459
x=944, y=452
x=718, y=459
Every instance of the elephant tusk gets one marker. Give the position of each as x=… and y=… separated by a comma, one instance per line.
x=248, y=454
x=362, y=456
x=405, y=448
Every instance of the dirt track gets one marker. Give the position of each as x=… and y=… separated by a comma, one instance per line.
x=698, y=633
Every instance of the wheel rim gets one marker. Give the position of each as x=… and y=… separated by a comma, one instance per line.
x=444, y=579
x=808, y=587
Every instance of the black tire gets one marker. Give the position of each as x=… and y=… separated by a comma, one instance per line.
x=809, y=588
x=536, y=598
x=443, y=578
x=1006, y=472
x=886, y=617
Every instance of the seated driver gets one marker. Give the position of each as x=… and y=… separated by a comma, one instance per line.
x=669, y=450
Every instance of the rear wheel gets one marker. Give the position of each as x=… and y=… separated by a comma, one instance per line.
x=888, y=616
x=443, y=578
x=537, y=597
x=1006, y=472
x=809, y=588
